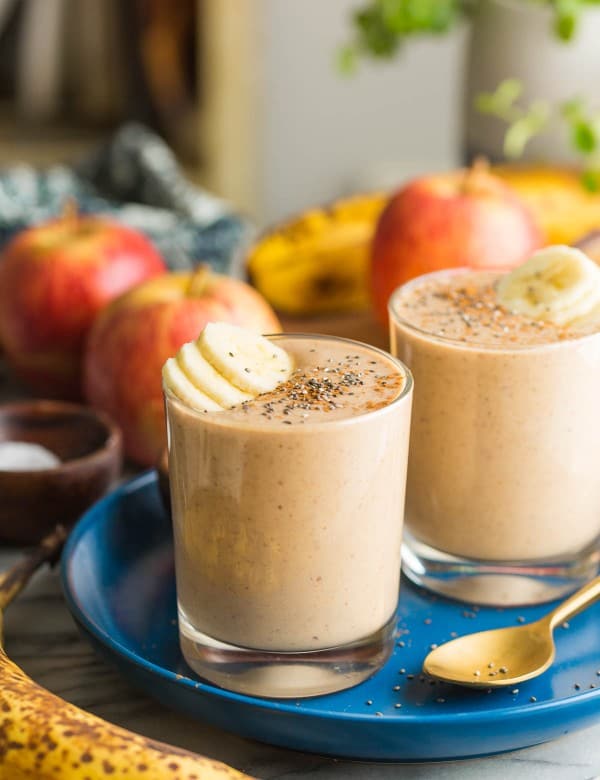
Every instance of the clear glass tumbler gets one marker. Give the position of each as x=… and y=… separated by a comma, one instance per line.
x=503, y=492
x=288, y=539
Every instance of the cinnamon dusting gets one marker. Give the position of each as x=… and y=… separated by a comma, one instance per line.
x=348, y=385
x=465, y=307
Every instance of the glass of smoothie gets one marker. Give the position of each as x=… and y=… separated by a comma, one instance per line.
x=503, y=493
x=287, y=515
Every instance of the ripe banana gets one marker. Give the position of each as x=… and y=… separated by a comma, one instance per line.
x=43, y=737
x=318, y=262
x=558, y=284
x=225, y=366
x=562, y=206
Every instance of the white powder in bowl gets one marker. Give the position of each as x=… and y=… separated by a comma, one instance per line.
x=25, y=456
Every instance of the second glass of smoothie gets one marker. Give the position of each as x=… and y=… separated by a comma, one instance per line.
x=503, y=494
x=287, y=514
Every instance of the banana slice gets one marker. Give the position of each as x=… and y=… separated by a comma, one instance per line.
x=559, y=284
x=251, y=363
x=202, y=374
x=175, y=379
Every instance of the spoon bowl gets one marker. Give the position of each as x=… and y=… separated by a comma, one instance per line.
x=505, y=656
x=495, y=658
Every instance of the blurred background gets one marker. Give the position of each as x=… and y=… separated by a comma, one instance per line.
x=246, y=92
x=199, y=123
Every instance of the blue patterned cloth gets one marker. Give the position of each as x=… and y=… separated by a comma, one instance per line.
x=136, y=180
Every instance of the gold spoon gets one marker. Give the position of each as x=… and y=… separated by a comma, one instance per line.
x=505, y=656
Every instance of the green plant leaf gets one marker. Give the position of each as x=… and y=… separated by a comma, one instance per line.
x=584, y=137
x=406, y=17
x=374, y=35
x=346, y=59
x=572, y=110
x=590, y=179
x=564, y=26
x=382, y=26
x=501, y=102
x=526, y=127
x=566, y=18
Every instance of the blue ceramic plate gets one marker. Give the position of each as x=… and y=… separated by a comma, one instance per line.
x=118, y=580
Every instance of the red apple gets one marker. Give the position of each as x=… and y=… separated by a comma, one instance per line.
x=54, y=279
x=463, y=218
x=134, y=336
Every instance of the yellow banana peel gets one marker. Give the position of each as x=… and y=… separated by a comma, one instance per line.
x=43, y=737
x=318, y=262
x=564, y=209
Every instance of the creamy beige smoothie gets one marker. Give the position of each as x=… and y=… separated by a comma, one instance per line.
x=505, y=438
x=288, y=508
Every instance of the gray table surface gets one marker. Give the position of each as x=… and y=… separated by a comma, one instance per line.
x=42, y=637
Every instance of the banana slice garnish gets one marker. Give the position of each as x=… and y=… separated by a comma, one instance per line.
x=249, y=362
x=179, y=383
x=202, y=374
x=558, y=284
x=225, y=366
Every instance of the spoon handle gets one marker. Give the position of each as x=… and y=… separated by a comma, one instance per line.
x=575, y=603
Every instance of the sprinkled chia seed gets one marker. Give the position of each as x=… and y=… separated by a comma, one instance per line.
x=397, y=705
x=347, y=387
x=466, y=308
x=369, y=702
x=396, y=688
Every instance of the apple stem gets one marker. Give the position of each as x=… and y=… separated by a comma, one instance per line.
x=199, y=281
x=474, y=174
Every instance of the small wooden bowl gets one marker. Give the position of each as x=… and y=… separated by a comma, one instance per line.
x=88, y=444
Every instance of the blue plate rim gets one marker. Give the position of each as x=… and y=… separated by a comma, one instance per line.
x=518, y=712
